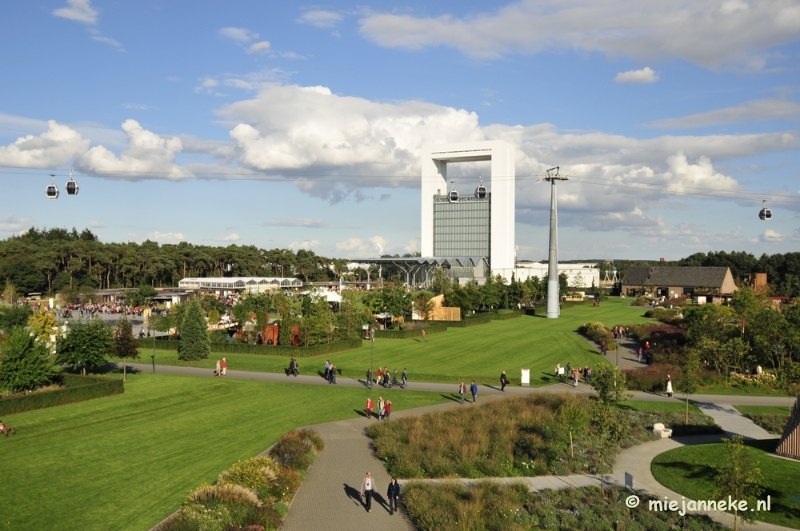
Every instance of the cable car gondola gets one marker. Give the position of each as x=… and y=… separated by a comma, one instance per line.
x=72, y=187
x=765, y=214
x=480, y=191
x=51, y=190
x=72, y=184
x=453, y=195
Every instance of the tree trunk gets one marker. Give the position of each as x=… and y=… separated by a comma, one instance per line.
x=571, y=449
x=124, y=369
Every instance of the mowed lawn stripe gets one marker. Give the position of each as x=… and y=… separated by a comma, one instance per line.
x=128, y=461
x=478, y=352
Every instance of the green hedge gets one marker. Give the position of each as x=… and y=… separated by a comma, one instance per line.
x=505, y=315
x=74, y=388
x=268, y=350
x=408, y=334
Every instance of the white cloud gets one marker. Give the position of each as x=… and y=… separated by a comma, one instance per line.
x=165, y=237
x=259, y=48
x=12, y=224
x=645, y=75
x=238, y=34
x=412, y=246
x=711, y=33
x=251, y=81
x=108, y=40
x=148, y=155
x=232, y=237
x=96, y=225
x=55, y=147
x=78, y=10
x=304, y=244
x=771, y=236
x=137, y=106
x=357, y=246
x=320, y=18
x=751, y=111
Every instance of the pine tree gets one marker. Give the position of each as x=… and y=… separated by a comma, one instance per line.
x=125, y=345
x=195, y=343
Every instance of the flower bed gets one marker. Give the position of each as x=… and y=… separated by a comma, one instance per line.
x=253, y=494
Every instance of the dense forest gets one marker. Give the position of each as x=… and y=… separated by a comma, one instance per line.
x=58, y=260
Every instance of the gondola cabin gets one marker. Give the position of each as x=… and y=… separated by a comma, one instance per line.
x=72, y=187
x=765, y=214
x=51, y=191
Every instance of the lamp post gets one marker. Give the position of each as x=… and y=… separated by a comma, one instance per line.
x=371, y=353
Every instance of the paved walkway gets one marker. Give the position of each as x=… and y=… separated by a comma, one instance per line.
x=329, y=497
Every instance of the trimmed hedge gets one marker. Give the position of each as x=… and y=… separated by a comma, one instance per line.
x=505, y=315
x=75, y=389
x=473, y=320
x=270, y=350
x=408, y=334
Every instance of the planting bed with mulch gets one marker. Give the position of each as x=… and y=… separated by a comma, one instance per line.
x=519, y=436
x=490, y=506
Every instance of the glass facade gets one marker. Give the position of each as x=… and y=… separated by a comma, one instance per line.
x=462, y=228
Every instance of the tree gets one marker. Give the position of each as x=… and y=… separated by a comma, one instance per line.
x=441, y=284
x=14, y=316
x=9, y=293
x=572, y=417
x=738, y=478
x=85, y=345
x=689, y=379
x=609, y=431
x=27, y=363
x=423, y=305
x=195, y=343
x=125, y=345
x=611, y=385
x=43, y=324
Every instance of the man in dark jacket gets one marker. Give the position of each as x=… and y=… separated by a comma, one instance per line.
x=393, y=494
x=503, y=381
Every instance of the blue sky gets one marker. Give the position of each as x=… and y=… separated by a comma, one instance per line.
x=299, y=125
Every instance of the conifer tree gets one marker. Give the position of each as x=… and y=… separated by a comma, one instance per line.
x=195, y=343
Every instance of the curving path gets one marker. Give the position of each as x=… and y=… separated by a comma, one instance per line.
x=329, y=497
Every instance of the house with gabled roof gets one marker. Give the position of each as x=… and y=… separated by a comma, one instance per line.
x=671, y=282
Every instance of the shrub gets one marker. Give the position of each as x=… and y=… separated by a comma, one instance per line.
x=771, y=422
x=257, y=473
x=224, y=493
x=26, y=362
x=597, y=332
x=295, y=450
x=74, y=389
x=285, y=485
x=664, y=315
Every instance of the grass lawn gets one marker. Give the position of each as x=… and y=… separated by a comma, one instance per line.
x=765, y=410
x=688, y=471
x=479, y=352
x=735, y=390
x=128, y=461
x=658, y=407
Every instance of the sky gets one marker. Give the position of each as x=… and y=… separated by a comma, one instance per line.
x=290, y=125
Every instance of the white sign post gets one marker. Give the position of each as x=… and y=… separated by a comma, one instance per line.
x=526, y=377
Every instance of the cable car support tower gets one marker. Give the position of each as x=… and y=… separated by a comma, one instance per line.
x=553, y=308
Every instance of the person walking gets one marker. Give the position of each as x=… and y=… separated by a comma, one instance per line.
x=669, y=386
x=474, y=390
x=369, y=407
x=462, y=390
x=378, y=376
x=327, y=368
x=366, y=491
x=381, y=408
x=224, y=367
x=640, y=354
x=503, y=381
x=217, y=371
x=576, y=375
x=393, y=494
x=387, y=410
x=423, y=336
x=405, y=378
x=332, y=374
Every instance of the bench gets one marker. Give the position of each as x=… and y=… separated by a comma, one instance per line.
x=661, y=431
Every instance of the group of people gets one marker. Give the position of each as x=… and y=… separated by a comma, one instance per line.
x=645, y=356
x=386, y=379
x=222, y=367
x=293, y=368
x=392, y=493
x=330, y=372
x=574, y=373
x=473, y=389
x=384, y=408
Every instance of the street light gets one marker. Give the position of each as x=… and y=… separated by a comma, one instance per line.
x=371, y=353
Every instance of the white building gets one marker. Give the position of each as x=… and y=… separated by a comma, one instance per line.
x=479, y=224
x=247, y=284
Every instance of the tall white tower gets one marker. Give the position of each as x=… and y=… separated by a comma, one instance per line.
x=434, y=161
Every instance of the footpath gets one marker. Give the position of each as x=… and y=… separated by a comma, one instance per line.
x=330, y=499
